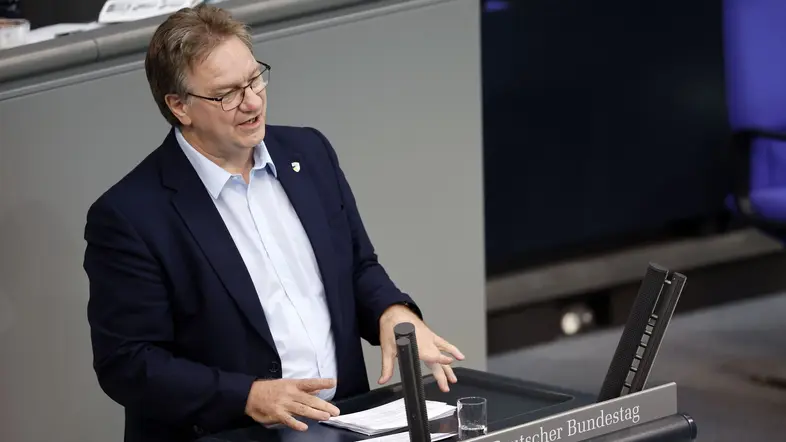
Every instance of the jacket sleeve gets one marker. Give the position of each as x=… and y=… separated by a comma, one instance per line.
x=132, y=334
x=374, y=290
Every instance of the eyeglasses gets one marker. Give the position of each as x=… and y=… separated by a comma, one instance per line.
x=234, y=98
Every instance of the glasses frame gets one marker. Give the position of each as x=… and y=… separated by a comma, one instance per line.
x=242, y=90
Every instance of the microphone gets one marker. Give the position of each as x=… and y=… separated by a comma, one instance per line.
x=412, y=381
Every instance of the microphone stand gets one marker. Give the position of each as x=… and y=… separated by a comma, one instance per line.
x=412, y=381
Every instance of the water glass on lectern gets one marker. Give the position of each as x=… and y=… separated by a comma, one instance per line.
x=471, y=417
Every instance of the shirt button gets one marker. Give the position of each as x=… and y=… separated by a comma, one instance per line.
x=274, y=367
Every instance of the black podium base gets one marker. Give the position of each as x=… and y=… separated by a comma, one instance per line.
x=510, y=402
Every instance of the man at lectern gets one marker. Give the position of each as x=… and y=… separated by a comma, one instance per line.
x=231, y=277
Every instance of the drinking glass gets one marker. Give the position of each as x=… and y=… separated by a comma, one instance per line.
x=471, y=417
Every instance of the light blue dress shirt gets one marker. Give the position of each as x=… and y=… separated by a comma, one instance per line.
x=278, y=255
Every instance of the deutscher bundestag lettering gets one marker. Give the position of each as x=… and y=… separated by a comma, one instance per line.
x=594, y=420
x=574, y=427
x=603, y=420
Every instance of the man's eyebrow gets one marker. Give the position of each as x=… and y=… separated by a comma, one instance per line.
x=227, y=87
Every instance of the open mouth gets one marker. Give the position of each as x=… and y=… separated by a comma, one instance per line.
x=251, y=122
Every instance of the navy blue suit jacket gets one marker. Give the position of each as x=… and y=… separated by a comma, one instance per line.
x=177, y=329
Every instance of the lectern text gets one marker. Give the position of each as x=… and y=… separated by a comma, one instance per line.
x=593, y=420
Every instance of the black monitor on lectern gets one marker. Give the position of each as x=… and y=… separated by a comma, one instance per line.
x=644, y=330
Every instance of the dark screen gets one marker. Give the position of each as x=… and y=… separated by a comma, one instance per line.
x=603, y=119
x=49, y=12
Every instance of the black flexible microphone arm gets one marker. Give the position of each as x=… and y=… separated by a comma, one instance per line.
x=412, y=381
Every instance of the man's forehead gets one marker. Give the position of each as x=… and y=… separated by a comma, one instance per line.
x=218, y=72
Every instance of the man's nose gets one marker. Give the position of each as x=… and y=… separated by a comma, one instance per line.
x=251, y=100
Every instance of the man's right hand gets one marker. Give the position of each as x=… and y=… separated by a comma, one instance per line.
x=279, y=400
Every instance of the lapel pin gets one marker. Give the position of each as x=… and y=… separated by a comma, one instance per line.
x=296, y=166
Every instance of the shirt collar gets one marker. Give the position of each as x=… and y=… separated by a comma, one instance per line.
x=212, y=175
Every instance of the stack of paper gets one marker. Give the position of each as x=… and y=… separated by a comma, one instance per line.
x=404, y=437
x=388, y=417
x=119, y=11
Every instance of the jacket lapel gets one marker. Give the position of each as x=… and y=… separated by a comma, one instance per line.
x=293, y=174
x=195, y=206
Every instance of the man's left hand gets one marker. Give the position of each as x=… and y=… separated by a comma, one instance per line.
x=430, y=346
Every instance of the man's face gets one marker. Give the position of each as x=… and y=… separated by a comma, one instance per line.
x=231, y=66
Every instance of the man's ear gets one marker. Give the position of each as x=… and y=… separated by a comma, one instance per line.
x=179, y=108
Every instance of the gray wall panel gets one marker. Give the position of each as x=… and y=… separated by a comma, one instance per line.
x=60, y=149
x=397, y=94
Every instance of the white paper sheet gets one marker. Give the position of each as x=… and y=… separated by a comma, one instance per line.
x=119, y=11
x=387, y=417
x=404, y=437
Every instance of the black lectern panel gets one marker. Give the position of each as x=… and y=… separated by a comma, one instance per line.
x=507, y=397
x=510, y=402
